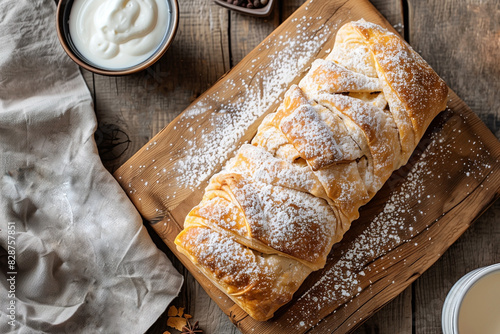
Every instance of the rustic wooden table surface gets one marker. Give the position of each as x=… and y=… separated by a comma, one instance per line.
x=461, y=41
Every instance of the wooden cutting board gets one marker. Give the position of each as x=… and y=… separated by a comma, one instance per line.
x=425, y=206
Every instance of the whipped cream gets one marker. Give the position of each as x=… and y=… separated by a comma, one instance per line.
x=117, y=34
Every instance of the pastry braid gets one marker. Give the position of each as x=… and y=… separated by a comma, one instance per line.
x=271, y=216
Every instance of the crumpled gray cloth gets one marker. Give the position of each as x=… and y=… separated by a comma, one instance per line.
x=84, y=262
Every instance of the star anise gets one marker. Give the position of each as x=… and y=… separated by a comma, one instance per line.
x=191, y=329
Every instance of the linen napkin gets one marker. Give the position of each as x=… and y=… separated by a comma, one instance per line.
x=84, y=262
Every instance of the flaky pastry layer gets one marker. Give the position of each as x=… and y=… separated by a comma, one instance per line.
x=272, y=215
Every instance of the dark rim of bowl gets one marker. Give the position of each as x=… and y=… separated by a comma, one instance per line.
x=476, y=276
x=62, y=18
x=258, y=12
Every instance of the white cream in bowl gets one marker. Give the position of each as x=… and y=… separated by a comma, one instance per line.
x=118, y=34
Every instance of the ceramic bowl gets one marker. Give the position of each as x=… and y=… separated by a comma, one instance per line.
x=454, y=299
x=62, y=18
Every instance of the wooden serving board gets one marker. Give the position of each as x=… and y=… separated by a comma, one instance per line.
x=424, y=207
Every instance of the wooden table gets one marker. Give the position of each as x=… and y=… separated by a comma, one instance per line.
x=461, y=41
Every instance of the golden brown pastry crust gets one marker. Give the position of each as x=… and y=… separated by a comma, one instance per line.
x=271, y=216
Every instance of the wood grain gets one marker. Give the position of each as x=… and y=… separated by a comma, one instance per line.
x=340, y=315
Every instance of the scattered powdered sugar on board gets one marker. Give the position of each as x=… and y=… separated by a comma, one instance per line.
x=401, y=219
x=255, y=92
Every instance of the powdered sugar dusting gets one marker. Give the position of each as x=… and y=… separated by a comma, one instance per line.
x=313, y=139
x=400, y=220
x=255, y=93
x=288, y=220
x=257, y=163
x=285, y=217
